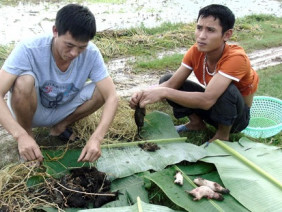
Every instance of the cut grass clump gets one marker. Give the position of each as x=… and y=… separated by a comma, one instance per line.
x=123, y=127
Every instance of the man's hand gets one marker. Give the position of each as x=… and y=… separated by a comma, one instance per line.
x=135, y=98
x=29, y=149
x=151, y=96
x=148, y=96
x=91, y=151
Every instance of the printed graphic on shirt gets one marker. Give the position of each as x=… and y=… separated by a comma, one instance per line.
x=53, y=94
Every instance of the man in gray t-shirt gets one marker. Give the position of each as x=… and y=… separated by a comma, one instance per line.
x=56, y=80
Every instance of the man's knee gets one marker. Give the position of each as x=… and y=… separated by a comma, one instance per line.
x=23, y=88
x=228, y=107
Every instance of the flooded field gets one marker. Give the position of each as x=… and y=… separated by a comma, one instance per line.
x=22, y=19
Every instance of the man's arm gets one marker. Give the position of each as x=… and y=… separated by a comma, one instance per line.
x=6, y=119
x=174, y=82
x=28, y=148
x=202, y=100
x=92, y=151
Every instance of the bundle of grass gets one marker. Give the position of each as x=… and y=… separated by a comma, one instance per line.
x=123, y=127
x=14, y=193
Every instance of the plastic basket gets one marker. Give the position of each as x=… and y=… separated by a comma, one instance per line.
x=266, y=117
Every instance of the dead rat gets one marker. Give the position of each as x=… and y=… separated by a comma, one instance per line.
x=213, y=185
x=178, y=178
x=205, y=191
x=139, y=118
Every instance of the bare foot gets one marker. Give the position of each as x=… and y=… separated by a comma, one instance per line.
x=222, y=133
x=195, y=123
x=194, y=126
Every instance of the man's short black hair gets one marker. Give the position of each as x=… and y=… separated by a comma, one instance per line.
x=223, y=13
x=78, y=20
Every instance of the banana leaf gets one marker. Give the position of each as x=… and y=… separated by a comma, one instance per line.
x=129, y=189
x=177, y=194
x=126, y=161
x=248, y=183
x=140, y=206
x=158, y=125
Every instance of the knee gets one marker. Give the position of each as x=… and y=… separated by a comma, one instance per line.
x=23, y=88
x=97, y=97
x=231, y=94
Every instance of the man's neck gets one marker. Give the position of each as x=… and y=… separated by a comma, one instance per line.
x=214, y=57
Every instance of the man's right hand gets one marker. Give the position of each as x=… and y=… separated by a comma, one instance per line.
x=135, y=98
x=28, y=148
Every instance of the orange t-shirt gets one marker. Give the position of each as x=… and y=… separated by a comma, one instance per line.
x=233, y=64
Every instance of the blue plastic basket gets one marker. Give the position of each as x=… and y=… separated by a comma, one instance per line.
x=266, y=117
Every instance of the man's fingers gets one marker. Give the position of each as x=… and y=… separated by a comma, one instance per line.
x=88, y=156
x=82, y=155
x=38, y=154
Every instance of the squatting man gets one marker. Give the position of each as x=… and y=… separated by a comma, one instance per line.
x=228, y=82
x=46, y=78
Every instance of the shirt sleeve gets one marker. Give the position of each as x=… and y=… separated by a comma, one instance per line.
x=18, y=61
x=188, y=58
x=234, y=67
x=98, y=70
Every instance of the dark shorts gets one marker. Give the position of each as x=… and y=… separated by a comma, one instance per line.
x=230, y=108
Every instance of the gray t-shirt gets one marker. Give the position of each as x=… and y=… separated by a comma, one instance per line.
x=56, y=88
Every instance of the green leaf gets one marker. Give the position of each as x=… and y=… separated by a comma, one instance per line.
x=198, y=168
x=165, y=181
x=137, y=207
x=34, y=180
x=247, y=185
x=129, y=188
x=59, y=162
x=122, y=162
x=158, y=125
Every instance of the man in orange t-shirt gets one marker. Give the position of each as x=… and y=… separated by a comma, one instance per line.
x=228, y=80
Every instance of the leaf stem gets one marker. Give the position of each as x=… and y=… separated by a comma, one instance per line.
x=249, y=163
x=128, y=144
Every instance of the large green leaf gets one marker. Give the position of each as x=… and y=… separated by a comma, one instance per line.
x=165, y=180
x=122, y=162
x=158, y=125
x=252, y=189
x=125, y=161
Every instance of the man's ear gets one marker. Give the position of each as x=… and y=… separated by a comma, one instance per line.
x=55, y=31
x=227, y=35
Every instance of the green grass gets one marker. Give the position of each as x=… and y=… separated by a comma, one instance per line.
x=270, y=82
x=258, y=32
x=170, y=62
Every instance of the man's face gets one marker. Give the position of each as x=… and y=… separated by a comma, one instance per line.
x=208, y=34
x=66, y=47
